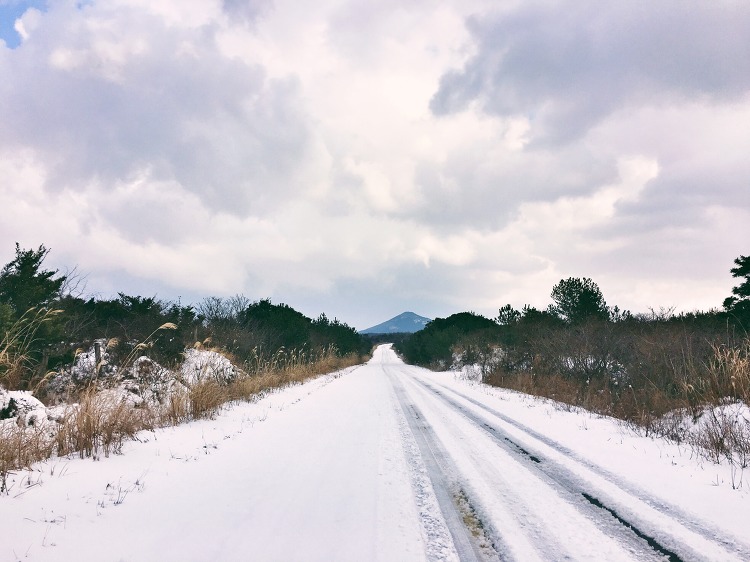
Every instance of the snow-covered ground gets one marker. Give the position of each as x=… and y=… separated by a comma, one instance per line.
x=382, y=462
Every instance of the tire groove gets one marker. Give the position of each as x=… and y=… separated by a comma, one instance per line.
x=440, y=472
x=561, y=476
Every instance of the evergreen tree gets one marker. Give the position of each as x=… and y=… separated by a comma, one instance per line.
x=739, y=303
x=578, y=300
x=23, y=283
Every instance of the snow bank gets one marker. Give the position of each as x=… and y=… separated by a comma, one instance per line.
x=20, y=407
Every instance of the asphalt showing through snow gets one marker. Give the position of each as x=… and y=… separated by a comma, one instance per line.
x=441, y=474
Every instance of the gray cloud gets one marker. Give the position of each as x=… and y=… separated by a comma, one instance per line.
x=246, y=11
x=130, y=94
x=567, y=65
x=474, y=189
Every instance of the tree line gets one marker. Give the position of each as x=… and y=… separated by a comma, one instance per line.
x=582, y=351
x=44, y=323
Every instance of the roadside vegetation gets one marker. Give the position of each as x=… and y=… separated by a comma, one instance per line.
x=684, y=377
x=81, y=375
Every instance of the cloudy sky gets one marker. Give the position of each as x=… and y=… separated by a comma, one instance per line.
x=366, y=157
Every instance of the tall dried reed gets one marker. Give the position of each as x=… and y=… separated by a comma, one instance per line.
x=100, y=423
x=16, y=365
x=286, y=367
x=20, y=447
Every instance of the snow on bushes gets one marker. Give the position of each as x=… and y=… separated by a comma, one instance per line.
x=201, y=365
x=717, y=432
x=21, y=408
x=144, y=381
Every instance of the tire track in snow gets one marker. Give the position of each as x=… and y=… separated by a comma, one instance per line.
x=522, y=507
x=438, y=541
x=664, y=527
x=438, y=470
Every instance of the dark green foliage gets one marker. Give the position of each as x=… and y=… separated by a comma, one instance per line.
x=395, y=338
x=508, y=316
x=7, y=317
x=27, y=292
x=581, y=352
x=738, y=305
x=343, y=337
x=134, y=323
x=269, y=327
x=277, y=325
x=437, y=342
x=259, y=329
x=10, y=410
x=742, y=291
x=623, y=350
x=128, y=321
x=517, y=338
x=577, y=300
x=24, y=285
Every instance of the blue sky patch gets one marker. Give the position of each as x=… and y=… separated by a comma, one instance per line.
x=9, y=13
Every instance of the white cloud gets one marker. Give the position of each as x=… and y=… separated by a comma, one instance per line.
x=27, y=23
x=581, y=213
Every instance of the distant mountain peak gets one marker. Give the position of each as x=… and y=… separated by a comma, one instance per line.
x=406, y=322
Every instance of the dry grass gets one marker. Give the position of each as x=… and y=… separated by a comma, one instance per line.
x=727, y=376
x=206, y=398
x=21, y=447
x=176, y=408
x=710, y=393
x=16, y=367
x=285, y=368
x=101, y=422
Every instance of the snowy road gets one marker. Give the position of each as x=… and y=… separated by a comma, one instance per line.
x=528, y=498
x=386, y=462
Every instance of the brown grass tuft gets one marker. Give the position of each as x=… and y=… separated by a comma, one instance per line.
x=206, y=398
x=20, y=447
x=100, y=423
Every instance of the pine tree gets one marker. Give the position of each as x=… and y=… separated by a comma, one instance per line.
x=23, y=283
x=739, y=303
x=577, y=300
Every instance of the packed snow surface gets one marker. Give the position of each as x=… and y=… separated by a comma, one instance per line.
x=382, y=462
